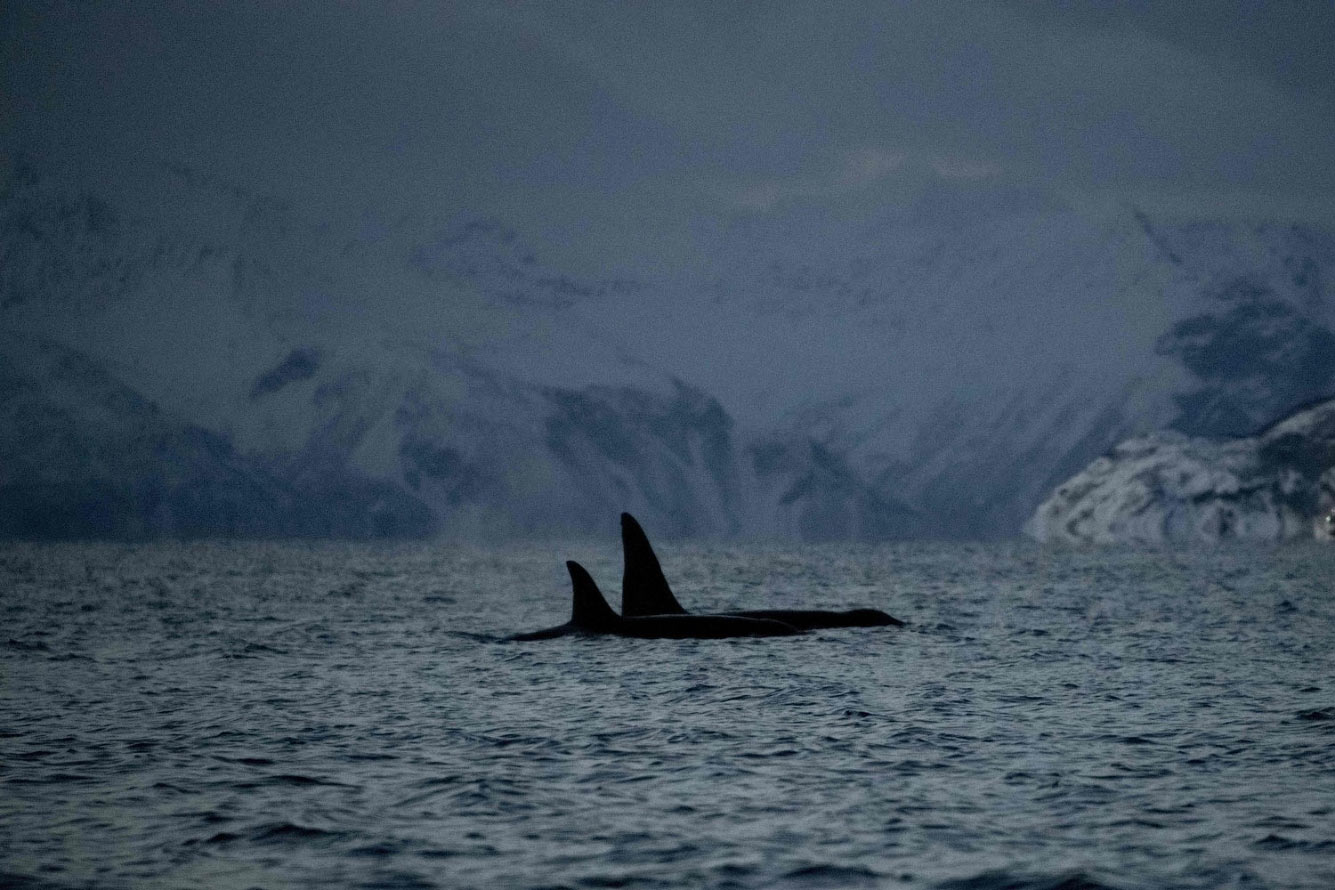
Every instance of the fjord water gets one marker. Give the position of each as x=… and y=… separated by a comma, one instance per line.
x=288, y=715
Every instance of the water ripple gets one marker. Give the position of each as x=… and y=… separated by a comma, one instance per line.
x=328, y=715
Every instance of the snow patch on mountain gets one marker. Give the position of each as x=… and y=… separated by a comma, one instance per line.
x=85, y=456
x=935, y=372
x=1171, y=488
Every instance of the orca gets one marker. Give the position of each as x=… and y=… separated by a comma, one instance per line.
x=644, y=591
x=590, y=614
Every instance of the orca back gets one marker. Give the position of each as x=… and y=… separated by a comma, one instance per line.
x=814, y=619
x=703, y=627
x=644, y=590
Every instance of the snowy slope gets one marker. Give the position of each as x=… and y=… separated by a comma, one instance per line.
x=437, y=357
x=936, y=371
x=86, y=456
x=1168, y=487
x=967, y=353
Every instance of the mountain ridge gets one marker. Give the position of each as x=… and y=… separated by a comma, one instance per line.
x=1171, y=488
x=936, y=375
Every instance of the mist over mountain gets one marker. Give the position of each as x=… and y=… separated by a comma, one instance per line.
x=206, y=360
x=836, y=270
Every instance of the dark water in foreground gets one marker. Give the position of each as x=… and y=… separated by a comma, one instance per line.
x=283, y=715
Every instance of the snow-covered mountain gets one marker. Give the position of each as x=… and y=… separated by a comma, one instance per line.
x=84, y=455
x=934, y=372
x=1169, y=487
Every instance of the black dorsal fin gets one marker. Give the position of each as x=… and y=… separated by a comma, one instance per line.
x=644, y=590
x=589, y=611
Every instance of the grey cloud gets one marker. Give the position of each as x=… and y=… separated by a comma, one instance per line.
x=622, y=126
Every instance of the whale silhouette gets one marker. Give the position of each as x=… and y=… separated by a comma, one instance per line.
x=590, y=614
x=644, y=591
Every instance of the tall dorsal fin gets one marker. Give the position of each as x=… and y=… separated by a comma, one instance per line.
x=644, y=590
x=589, y=611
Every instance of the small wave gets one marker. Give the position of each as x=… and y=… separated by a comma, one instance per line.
x=284, y=832
x=613, y=880
x=1001, y=880
x=53, y=779
x=1279, y=842
x=433, y=787
x=273, y=832
x=403, y=880
x=1281, y=822
x=1317, y=715
x=450, y=853
x=782, y=751
x=70, y=656
x=833, y=876
x=168, y=786
x=34, y=755
x=251, y=649
x=294, y=779
x=290, y=780
x=222, y=837
x=26, y=646
x=476, y=637
x=12, y=881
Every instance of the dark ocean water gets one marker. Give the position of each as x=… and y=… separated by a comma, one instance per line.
x=262, y=715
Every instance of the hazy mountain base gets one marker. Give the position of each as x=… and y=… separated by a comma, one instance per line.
x=1168, y=487
x=87, y=457
x=432, y=377
x=90, y=457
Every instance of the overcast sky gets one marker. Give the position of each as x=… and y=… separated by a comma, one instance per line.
x=617, y=131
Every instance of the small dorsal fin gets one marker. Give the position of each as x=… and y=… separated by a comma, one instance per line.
x=644, y=590
x=590, y=610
